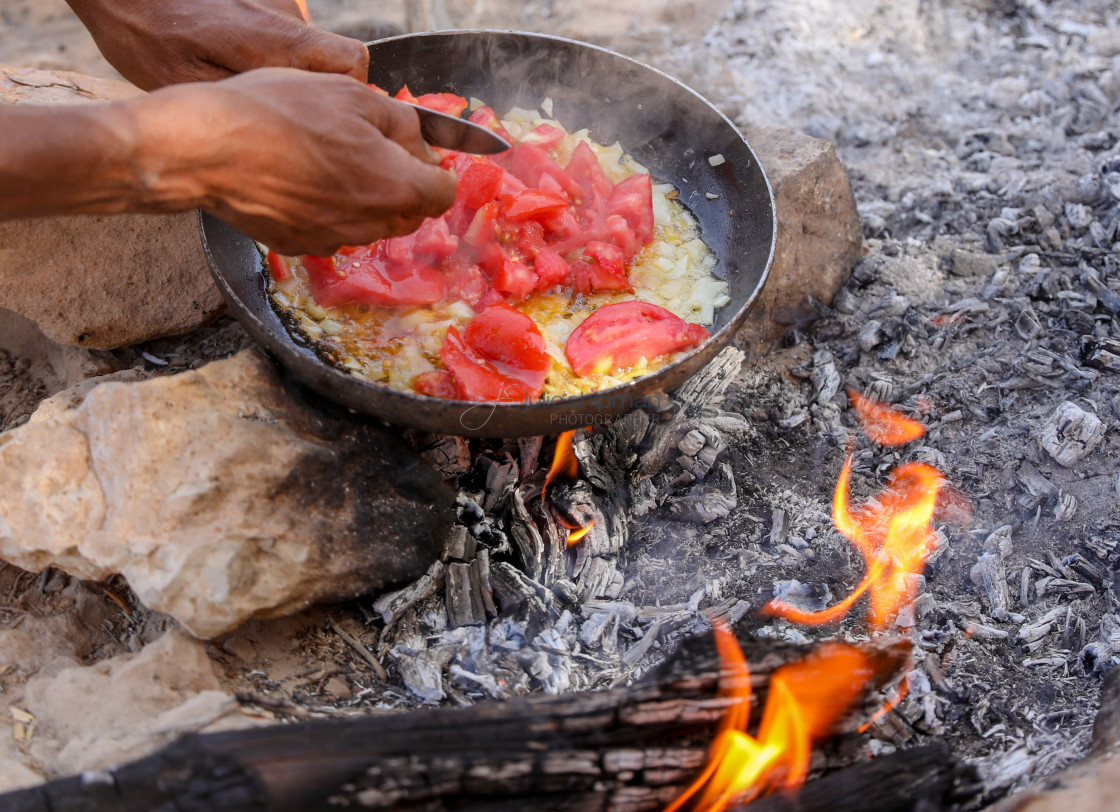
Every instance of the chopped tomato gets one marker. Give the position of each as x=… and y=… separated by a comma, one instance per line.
x=617, y=336
x=511, y=341
x=278, y=267
x=437, y=384
x=551, y=269
x=616, y=230
x=515, y=279
x=633, y=200
x=377, y=89
x=501, y=357
x=466, y=281
x=482, y=230
x=434, y=240
x=489, y=119
x=530, y=239
x=585, y=170
x=365, y=277
x=530, y=163
x=545, y=136
x=405, y=95
x=447, y=103
x=604, y=269
x=480, y=183
x=532, y=205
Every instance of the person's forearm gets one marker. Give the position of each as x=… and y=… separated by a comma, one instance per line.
x=88, y=159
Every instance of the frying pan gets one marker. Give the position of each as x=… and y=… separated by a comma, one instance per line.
x=663, y=124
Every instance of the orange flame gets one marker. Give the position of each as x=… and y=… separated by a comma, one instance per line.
x=566, y=466
x=806, y=699
x=303, y=11
x=884, y=425
x=892, y=532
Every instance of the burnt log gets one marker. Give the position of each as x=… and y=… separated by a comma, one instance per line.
x=625, y=750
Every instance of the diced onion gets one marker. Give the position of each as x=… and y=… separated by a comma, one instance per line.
x=717, y=160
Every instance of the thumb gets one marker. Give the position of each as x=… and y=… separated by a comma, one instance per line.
x=323, y=52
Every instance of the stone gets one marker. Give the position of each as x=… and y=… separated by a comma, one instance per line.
x=100, y=281
x=1071, y=434
x=819, y=233
x=220, y=494
x=142, y=702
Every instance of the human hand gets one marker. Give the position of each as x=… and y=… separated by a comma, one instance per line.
x=154, y=43
x=301, y=162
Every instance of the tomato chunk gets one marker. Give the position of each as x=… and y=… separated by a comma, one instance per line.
x=278, y=267
x=501, y=356
x=584, y=168
x=363, y=276
x=617, y=336
x=405, y=95
x=480, y=183
x=437, y=384
x=633, y=200
x=448, y=103
x=489, y=119
x=545, y=136
x=603, y=269
x=551, y=269
x=532, y=205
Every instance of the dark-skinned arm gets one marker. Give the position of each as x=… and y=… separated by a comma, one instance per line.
x=302, y=162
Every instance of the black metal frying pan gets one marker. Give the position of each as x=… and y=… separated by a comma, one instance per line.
x=659, y=121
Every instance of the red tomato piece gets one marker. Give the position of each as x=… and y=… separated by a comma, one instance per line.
x=466, y=281
x=474, y=378
x=405, y=95
x=278, y=267
x=365, y=277
x=447, y=103
x=530, y=239
x=482, y=230
x=512, y=342
x=437, y=384
x=434, y=240
x=633, y=200
x=530, y=163
x=480, y=183
x=604, y=269
x=489, y=119
x=545, y=136
x=616, y=230
x=377, y=89
x=532, y=205
x=551, y=269
x=585, y=170
x=515, y=279
x=616, y=336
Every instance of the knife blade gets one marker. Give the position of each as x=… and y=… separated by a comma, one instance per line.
x=449, y=132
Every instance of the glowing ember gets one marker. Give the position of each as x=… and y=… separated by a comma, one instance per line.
x=893, y=534
x=806, y=699
x=565, y=466
x=884, y=425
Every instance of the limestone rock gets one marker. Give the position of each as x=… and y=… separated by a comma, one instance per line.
x=819, y=232
x=97, y=716
x=1071, y=433
x=220, y=495
x=100, y=281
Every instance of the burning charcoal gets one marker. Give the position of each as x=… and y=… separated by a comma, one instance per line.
x=566, y=591
x=480, y=570
x=806, y=597
x=1061, y=586
x=706, y=503
x=731, y=423
x=1037, y=629
x=600, y=630
x=526, y=537
x=600, y=578
x=501, y=478
x=470, y=681
x=512, y=588
x=825, y=377
x=464, y=601
x=421, y=668
x=460, y=545
x=449, y=455
x=999, y=541
x=639, y=649
x=1071, y=434
x=691, y=443
x=529, y=453
x=394, y=604
x=1087, y=570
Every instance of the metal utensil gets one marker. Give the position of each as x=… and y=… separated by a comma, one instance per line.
x=449, y=132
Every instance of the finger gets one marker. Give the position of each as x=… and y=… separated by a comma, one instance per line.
x=323, y=52
x=399, y=123
x=434, y=187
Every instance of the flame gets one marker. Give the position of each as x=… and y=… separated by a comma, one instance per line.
x=303, y=11
x=894, y=535
x=806, y=699
x=566, y=466
x=884, y=425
